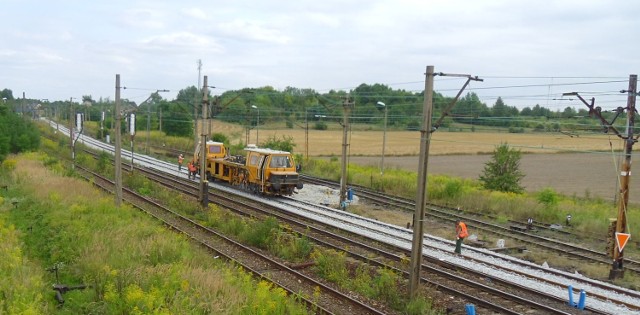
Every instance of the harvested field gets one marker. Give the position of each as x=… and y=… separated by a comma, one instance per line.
x=580, y=165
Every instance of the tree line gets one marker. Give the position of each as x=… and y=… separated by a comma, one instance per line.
x=294, y=106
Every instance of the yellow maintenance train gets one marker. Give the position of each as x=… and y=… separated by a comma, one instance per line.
x=261, y=170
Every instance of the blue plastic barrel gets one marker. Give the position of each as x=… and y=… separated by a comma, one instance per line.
x=471, y=309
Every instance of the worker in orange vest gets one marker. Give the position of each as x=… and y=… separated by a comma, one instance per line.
x=461, y=233
x=180, y=160
x=192, y=170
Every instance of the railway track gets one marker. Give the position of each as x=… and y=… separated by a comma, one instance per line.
x=475, y=291
x=522, y=236
x=504, y=303
x=552, y=305
x=327, y=299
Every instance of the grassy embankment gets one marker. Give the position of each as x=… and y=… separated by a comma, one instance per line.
x=135, y=266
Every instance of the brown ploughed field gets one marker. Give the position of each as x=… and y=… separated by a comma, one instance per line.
x=579, y=165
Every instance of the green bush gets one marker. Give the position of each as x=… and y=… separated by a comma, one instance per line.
x=291, y=247
x=261, y=233
x=320, y=125
x=548, y=197
x=331, y=265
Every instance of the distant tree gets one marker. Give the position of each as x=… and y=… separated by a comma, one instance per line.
x=284, y=144
x=583, y=112
x=502, y=172
x=188, y=95
x=6, y=93
x=177, y=120
x=220, y=137
x=526, y=111
x=540, y=111
x=469, y=108
x=499, y=109
x=569, y=112
x=87, y=99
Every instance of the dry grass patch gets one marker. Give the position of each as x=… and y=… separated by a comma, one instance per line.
x=403, y=143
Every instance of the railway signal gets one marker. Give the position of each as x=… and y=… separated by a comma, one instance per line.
x=621, y=240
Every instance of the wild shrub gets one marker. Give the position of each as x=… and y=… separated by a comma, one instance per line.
x=104, y=160
x=386, y=286
x=421, y=306
x=320, y=125
x=548, y=197
x=22, y=284
x=9, y=164
x=291, y=247
x=445, y=188
x=261, y=233
x=138, y=183
x=331, y=265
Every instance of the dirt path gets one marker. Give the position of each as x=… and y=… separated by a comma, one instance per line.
x=578, y=174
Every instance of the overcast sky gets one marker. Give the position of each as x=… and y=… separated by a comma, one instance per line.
x=62, y=49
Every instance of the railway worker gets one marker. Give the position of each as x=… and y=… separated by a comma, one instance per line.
x=461, y=233
x=568, y=220
x=529, y=223
x=189, y=167
x=192, y=169
x=180, y=160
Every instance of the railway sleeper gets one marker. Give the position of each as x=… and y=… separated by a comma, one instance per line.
x=512, y=249
x=476, y=243
x=519, y=228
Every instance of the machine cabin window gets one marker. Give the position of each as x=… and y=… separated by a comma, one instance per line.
x=280, y=161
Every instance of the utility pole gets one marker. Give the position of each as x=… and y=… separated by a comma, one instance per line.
x=421, y=194
x=195, y=109
x=160, y=120
x=216, y=103
x=621, y=234
x=102, y=125
x=348, y=105
x=625, y=176
x=306, y=135
x=72, y=118
x=118, y=158
x=132, y=134
x=146, y=146
x=204, y=184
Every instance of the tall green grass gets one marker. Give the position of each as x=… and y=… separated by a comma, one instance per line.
x=376, y=283
x=133, y=264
